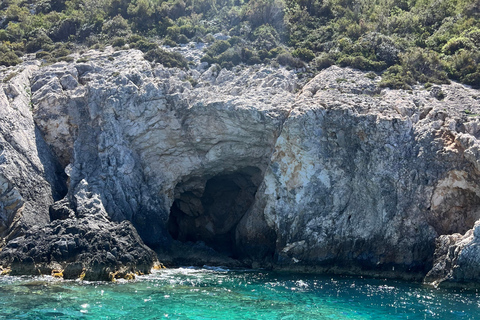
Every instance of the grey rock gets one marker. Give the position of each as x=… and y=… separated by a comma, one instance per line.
x=457, y=260
x=79, y=246
x=340, y=177
x=137, y=139
x=29, y=179
x=61, y=210
x=364, y=182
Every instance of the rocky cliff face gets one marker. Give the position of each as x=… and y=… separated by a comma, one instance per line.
x=30, y=178
x=82, y=241
x=364, y=181
x=340, y=176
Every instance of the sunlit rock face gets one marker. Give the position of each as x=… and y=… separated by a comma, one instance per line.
x=339, y=176
x=364, y=181
x=30, y=178
x=148, y=143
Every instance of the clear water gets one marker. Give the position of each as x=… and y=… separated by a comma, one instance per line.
x=214, y=293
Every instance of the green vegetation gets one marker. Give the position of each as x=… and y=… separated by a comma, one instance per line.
x=405, y=41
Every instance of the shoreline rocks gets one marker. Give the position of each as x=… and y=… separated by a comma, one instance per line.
x=89, y=249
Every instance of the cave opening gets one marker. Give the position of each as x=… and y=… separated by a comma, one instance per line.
x=209, y=209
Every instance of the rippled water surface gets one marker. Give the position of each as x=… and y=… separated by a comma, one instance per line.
x=213, y=293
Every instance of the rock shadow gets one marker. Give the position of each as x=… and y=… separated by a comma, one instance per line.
x=210, y=215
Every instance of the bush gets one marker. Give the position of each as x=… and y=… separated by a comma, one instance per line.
x=266, y=37
x=424, y=66
x=169, y=42
x=395, y=78
x=379, y=47
x=265, y=12
x=173, y=10
x=65, y=28
x=117, y=26
x=65, y=58
x=61, y=52
x=227, y=65
x=182, y=39
x=463, y=66
x=208, y=59
x=218, y=47
x=9, y=59
x=286, y=59
x=361, y=63
x=230, y=55
x=118, y=42
x=306, y=55
x=417, y=65
x=4, y=36
x=255, y=59
x=141, y=14
x=144, y=45
x=168, y=59
x=473, y=79
x=275, y=52
x=455, y=44
x=173, y=32
x=188, y=30
x=323, y=62
x=38, y=40
x=474, y=35
x=135, y=38
x=235, y=40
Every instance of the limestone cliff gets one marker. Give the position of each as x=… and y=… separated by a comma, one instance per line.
x=364, y=181
x=209, y=163
x=30, y=178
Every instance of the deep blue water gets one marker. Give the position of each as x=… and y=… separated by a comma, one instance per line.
x=213, y=293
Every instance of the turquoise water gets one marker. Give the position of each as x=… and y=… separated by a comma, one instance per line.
x=213, y=293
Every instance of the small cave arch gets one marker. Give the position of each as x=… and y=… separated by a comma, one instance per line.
x=208, y=209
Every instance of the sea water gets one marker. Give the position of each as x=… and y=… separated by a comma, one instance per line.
x=216, y=293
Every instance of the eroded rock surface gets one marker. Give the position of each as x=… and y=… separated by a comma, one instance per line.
x=144, y=138
x=340, y=177
x=88, y=248
x=30, y=178
x=457, y=260
x=364, y=181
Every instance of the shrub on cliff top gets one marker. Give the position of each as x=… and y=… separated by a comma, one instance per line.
x=362, y=63
x=168, y=59
x=304, y=54
x=424, y=65
x=417, y=65
x=286, y=59
x=9, y=58
x=218, y=47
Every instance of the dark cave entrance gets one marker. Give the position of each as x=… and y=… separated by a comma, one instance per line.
x=211, y=214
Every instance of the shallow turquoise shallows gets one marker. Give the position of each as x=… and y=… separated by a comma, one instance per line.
x=213, y=293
